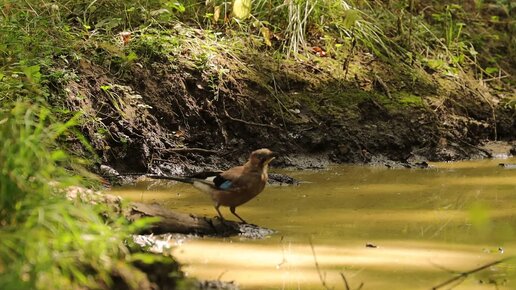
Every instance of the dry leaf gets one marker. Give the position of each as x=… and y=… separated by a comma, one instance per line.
x=216, y=13
x=125, y=36
x=242, y=8
x=266, y=35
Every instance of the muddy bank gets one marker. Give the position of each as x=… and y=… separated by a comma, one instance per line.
x=165, y=116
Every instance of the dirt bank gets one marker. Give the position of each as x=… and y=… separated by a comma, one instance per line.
x=165, y=112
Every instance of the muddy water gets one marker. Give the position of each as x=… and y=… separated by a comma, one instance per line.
x=419, y=224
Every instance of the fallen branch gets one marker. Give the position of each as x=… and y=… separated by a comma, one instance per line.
x=464, y=275
x=175, y=222
x=171, y=221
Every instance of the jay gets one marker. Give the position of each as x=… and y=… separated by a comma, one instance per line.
x=236, y=185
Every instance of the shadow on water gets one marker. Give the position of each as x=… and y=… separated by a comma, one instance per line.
x=423, y=223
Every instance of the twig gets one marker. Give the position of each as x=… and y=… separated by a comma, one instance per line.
x=284, y=259
x=345, y=281
x=323, y=280
x=189, y=150
x=221, y=274
x=383, y=86
x=495, y=78
x=275, y=95
x=464, y=275
x=345, y=66
x=444, y=268
x=31, y=8
x=250, y=123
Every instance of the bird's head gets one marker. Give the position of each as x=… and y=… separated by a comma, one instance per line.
x=262, y=157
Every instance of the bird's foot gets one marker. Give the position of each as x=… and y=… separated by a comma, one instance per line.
x=222, y=220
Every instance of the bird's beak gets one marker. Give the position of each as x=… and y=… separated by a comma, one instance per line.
x=272, y=156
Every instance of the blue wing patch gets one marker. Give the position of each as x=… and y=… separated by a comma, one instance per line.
x=222, y=183
x=226, y=185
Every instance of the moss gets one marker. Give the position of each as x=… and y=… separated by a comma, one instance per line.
x=334, y=101
x=350, y=97
x=408, y=99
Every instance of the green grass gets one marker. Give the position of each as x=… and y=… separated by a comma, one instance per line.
x=48, y=241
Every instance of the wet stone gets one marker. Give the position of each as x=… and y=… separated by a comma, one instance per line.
x=282, y=179
x=216, y=285
x=250, y=231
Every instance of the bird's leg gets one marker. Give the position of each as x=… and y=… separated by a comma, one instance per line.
x=218, y=211
x=233, y=211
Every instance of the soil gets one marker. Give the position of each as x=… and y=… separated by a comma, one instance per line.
x=167, y=117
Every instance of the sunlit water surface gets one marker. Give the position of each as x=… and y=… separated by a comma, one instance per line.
x=424, y=224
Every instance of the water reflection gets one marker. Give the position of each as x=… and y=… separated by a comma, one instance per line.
x=453, y=216
x=260, y=265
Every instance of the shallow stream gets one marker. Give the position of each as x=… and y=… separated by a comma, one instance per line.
x=385, y=228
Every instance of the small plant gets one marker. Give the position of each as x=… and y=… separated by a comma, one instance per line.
x=48, y=241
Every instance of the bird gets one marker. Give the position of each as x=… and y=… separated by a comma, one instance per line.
x=235, y=186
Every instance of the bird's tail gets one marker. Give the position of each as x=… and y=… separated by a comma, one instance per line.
x=200, y=184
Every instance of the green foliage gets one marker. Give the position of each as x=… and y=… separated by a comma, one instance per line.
x=35, y=34
x=509, y=102
x=49, y=242
x=24, y=155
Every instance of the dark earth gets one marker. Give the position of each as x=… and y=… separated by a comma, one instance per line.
x=161, y=118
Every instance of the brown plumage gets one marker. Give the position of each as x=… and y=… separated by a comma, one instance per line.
x=236, y=185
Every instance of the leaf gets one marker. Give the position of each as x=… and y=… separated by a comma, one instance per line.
x=58, y=155
x=436, y=64
x=105, y=88
x=144, y=258
x=351, y=17
x=242, y=9
x=216, y=13
x=178, y=7
x=125, y=36
x=455, y=7
x=131, y=56
x=148, y=258
x=33, y=73
x=159, y=12
x=266, y=35
x=472, y=51
x=491, y=70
